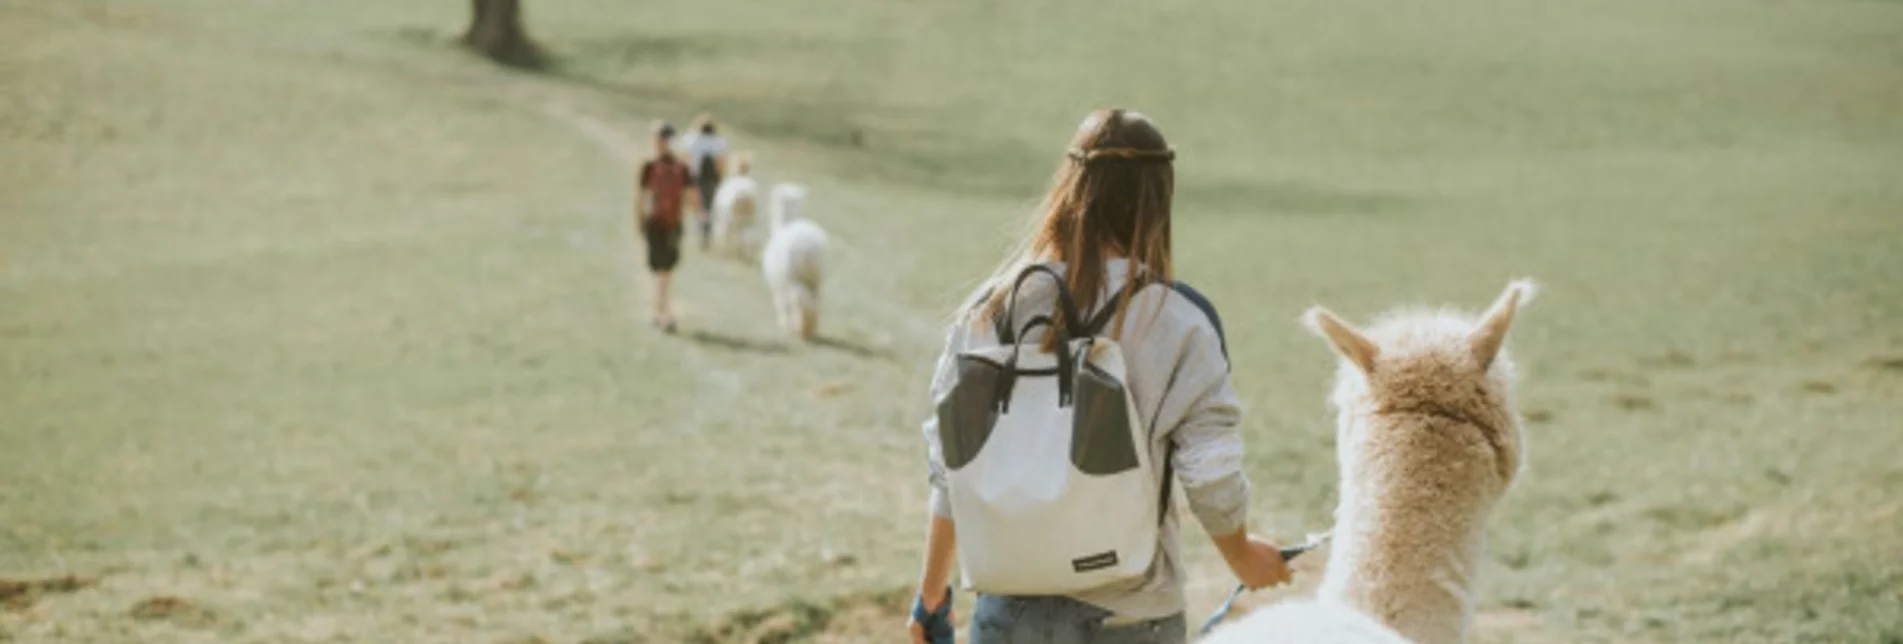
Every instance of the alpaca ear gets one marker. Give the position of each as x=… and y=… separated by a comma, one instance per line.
x=1347, y=341
x=1491, y=333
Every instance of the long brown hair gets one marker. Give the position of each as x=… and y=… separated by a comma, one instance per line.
x=1111, y=191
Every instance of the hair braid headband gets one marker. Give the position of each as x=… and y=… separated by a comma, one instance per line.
x=1122, y=154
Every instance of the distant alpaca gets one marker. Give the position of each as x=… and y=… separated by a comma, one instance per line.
x=794, y=262
x=736, y=231
x=1428, y=442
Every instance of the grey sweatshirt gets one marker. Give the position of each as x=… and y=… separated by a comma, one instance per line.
x=1178, y=373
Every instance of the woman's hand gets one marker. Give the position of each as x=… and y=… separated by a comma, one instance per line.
x=1266, y=567
x=1256, y=562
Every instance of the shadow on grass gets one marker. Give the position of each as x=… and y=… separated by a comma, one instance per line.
x=523, y=56
x=854, y=349
x=868, y=140
x=720, y=340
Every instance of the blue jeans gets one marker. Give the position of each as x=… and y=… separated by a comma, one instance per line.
x=1062, y=620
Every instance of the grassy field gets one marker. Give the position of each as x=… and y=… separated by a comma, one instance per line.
x=313, y=328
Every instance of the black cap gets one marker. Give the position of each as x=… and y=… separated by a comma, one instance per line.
x=664, y=130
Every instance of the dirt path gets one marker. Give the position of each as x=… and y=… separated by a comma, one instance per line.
x=612, y=140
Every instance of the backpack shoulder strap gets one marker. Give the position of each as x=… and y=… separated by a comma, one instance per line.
x=1209, y=310
x=1096, y=324
x=1169, y=463
x=1101, y=321
x=1064, y=303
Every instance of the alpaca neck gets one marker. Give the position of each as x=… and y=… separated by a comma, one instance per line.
x=1405, y=552
x=778, y=218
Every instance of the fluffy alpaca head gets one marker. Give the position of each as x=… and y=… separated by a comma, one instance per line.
x=1443, y=367
x=787, y=198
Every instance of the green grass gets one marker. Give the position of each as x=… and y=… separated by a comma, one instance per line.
x=334, y=333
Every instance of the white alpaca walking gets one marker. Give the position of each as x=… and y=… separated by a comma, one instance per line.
x=794, y=262
x=1428, y=442
x=736, y=229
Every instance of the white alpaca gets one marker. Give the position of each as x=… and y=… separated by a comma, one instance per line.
x=1428, y=442
x=736, y=231
x=794, y=262
x=1306, y=621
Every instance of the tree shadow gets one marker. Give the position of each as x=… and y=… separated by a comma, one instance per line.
x=902, y=144
x=524, y=56
x=720, y=340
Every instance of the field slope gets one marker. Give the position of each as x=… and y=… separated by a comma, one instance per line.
x=313, y=328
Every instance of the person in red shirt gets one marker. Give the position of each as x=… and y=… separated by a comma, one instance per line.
x=665, y=188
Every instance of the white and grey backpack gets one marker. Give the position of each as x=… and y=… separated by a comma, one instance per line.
x=1049, y=468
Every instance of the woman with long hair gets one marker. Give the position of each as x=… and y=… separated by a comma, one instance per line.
x=1105, y=229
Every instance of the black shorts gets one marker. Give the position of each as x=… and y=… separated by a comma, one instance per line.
x=664, y=245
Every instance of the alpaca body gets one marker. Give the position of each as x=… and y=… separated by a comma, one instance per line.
x=736, y=226
x=1306, y=621
x=794, y=262
x=1427, y=444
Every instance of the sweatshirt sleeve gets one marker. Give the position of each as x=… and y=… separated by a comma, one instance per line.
x=943, y=377
x=1207, y=438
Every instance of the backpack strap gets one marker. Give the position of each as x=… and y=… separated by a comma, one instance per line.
x=1097, y=323
x=1169, y=452
x=1209, y=310
x=1169, y=458
x=1066, y=306
x=1103, y=318
x=1007, y=335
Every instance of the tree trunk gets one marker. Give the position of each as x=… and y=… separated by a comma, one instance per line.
x=495, y=30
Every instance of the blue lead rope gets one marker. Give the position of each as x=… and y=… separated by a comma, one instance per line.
x=1222, y=612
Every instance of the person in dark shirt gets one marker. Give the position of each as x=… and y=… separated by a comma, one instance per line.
x=665, y=188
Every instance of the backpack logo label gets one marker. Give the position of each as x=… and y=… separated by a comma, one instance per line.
x=1097, y=561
